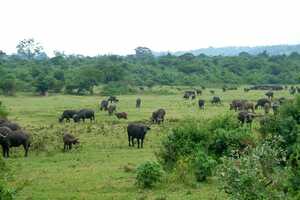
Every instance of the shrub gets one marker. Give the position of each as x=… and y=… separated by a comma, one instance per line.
x=183, y=141
x=203, y=165
x=225, y=141
x=255, y=175
x=148, y=174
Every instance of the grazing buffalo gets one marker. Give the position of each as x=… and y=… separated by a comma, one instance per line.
x=199, y=92
x=9, y=138
x=245, y=117
x=138, y=103
x=270, y=94
x=261, y=103
x=104, y=105
x=10, y=125
x=113, y=99
x=212, y=92
x=67, y=114
x=158, y=116
x=69, y=140
x=216, y=100
x=84, y=114
x=246, y=89
x=201, y=103
x=237, y=104
x=121, y=115
x=275, y=107
x=188, y=94
x=248, y=106
x=111, y=109
x=281, y=100
x=137, y=131
x=224, y=89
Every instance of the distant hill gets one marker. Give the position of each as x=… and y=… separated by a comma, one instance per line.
x=234, y=51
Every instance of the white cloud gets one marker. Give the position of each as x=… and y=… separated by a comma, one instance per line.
x=92, y=27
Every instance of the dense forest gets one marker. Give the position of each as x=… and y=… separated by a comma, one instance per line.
x=31, y=70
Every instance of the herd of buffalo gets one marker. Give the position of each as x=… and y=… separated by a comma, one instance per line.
x=12, y=135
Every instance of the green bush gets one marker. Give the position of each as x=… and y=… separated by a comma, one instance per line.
x=203, y=165
x=224, y=142
x=148, y=174
x=255, y=175
x=184, y=141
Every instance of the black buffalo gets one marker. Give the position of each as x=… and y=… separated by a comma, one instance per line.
x=137, y=131
x=158, y=116
x=261, y=103
x=113, y=99
x=104, y=105
x=270, y=94
x=201, y=103
x=11, y=125
x=67, y=114
x=216, y=100
x=9, y=138
x=84, y=114
x=246, y=117
x=69, y=140
x=138, y=103
x=111, y=109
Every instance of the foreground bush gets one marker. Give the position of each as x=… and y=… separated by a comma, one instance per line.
x=203, y=166
x=255, y=175
x=199, y=145
x=184, y=141
x=148, y=174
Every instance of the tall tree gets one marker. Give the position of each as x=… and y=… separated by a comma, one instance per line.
x=29, y=48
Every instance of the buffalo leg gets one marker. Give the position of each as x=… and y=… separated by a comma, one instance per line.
x=138, y=141
x=7, y=152
x=132, y=141
x=129, y=140
x=142, y=143
x=25, y=149
x=70, y=146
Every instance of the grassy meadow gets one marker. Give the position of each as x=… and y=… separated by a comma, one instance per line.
x=102, y=166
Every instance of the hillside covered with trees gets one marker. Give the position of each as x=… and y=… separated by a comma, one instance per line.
x=236, y=50
x=31, y=70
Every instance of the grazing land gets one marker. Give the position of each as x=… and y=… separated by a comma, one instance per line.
x=103, y=166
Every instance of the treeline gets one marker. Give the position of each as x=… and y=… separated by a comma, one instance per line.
x=30, y=70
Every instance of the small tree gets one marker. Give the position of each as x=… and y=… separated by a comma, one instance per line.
x=29, y=48
x=8, y=86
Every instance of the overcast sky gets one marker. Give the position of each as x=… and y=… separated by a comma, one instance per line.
x=92, y=27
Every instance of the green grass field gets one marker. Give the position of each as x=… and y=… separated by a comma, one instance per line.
x=102, y=167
